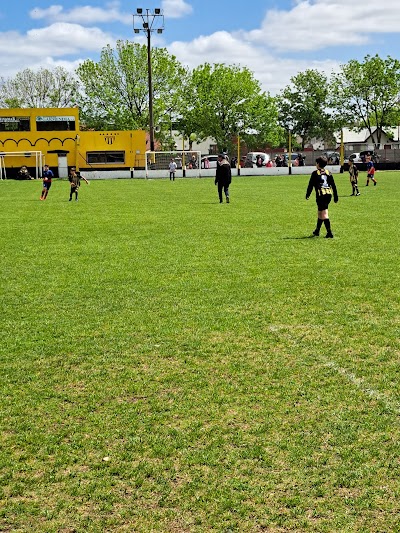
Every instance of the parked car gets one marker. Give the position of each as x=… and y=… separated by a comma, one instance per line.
x=251, y=159
x=355, y=157
x=212, y=160
x=295, y=159
x=332, y=157
x=360, y=157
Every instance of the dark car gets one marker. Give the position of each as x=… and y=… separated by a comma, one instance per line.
x=332, y=157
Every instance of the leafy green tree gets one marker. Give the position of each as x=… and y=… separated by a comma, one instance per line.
x=366, y=94
x=44, y=88
x=115, y=91
x=224, y=101
x=303, y=106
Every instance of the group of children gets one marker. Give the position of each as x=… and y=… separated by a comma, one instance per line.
x=322, y=181
x=74, y=179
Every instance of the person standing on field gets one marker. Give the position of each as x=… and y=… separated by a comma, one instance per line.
x=75, y=182
x=47, y=177
x=322, y=181
x=353, y=171
x=223, y=176
x=370, y=170
x=172, y=170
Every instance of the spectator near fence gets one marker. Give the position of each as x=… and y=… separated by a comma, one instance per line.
x=172, y=169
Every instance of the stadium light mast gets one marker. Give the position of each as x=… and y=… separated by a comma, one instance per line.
x=148, y=22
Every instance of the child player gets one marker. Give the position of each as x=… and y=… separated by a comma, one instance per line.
x=370, y=171
x=353, y=171
x=322, y=181
x=75, y=182
x=47, y=177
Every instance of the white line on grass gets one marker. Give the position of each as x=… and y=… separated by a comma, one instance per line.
x=360, y=384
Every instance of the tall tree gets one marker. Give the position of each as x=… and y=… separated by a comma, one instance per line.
x=303, y=106
x=367, y=94
x=115, y=90
x=42, y=88
x=224, y=101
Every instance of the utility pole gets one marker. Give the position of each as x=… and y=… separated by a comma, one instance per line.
x=148, y=21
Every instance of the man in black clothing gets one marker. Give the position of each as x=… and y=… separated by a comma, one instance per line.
x=322, y=181
x=223, y=176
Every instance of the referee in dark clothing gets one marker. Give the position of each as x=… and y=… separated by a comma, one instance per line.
x=223, y=176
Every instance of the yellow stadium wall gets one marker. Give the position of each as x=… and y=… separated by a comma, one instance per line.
x=78, y=146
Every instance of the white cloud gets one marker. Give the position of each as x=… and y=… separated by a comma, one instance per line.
x=42, y=46
x=83, y=15
x=273, y=72
x=176, y=8
x=318, y=24
x=111, y=13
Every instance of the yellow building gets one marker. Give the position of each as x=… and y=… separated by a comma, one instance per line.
x=53, y=137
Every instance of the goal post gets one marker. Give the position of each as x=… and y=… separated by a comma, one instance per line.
x=188, y=163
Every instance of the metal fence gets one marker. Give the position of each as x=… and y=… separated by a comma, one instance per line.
x=387, y=159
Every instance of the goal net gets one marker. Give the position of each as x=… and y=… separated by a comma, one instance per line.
x=188, y=163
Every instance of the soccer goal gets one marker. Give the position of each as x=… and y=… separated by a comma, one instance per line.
x=31, y=158
x=188, y=163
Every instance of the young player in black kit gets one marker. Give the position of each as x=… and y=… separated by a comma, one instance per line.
x=353, y=171
x=322, y=181
x=75, y=182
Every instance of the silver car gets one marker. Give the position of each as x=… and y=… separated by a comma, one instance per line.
x=212, y=161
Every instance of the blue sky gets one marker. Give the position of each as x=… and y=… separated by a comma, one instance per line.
x=276, y=39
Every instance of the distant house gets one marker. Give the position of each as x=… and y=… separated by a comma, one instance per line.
x=357, y=141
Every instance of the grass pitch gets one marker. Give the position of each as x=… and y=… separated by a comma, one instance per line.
x=176, y=365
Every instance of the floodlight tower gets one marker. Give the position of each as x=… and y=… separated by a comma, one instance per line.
x=149, y=22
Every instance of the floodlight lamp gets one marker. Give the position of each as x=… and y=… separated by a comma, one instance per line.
x=139, y=11
x=159, y=30
x=136, y=30
x=146, y=25
x=157, y=11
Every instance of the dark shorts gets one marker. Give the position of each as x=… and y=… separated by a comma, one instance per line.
x=46, y=185
x=323, y=202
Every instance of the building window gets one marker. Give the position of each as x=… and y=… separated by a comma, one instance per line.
x=66, y=123
x=14, y=124
x=108, y=158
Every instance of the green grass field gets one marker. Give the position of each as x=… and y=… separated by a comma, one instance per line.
x=170, y=364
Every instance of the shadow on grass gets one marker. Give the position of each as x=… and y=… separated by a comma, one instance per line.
x=300, y=238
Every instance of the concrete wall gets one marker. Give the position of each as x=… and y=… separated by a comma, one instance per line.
x=210, y=173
